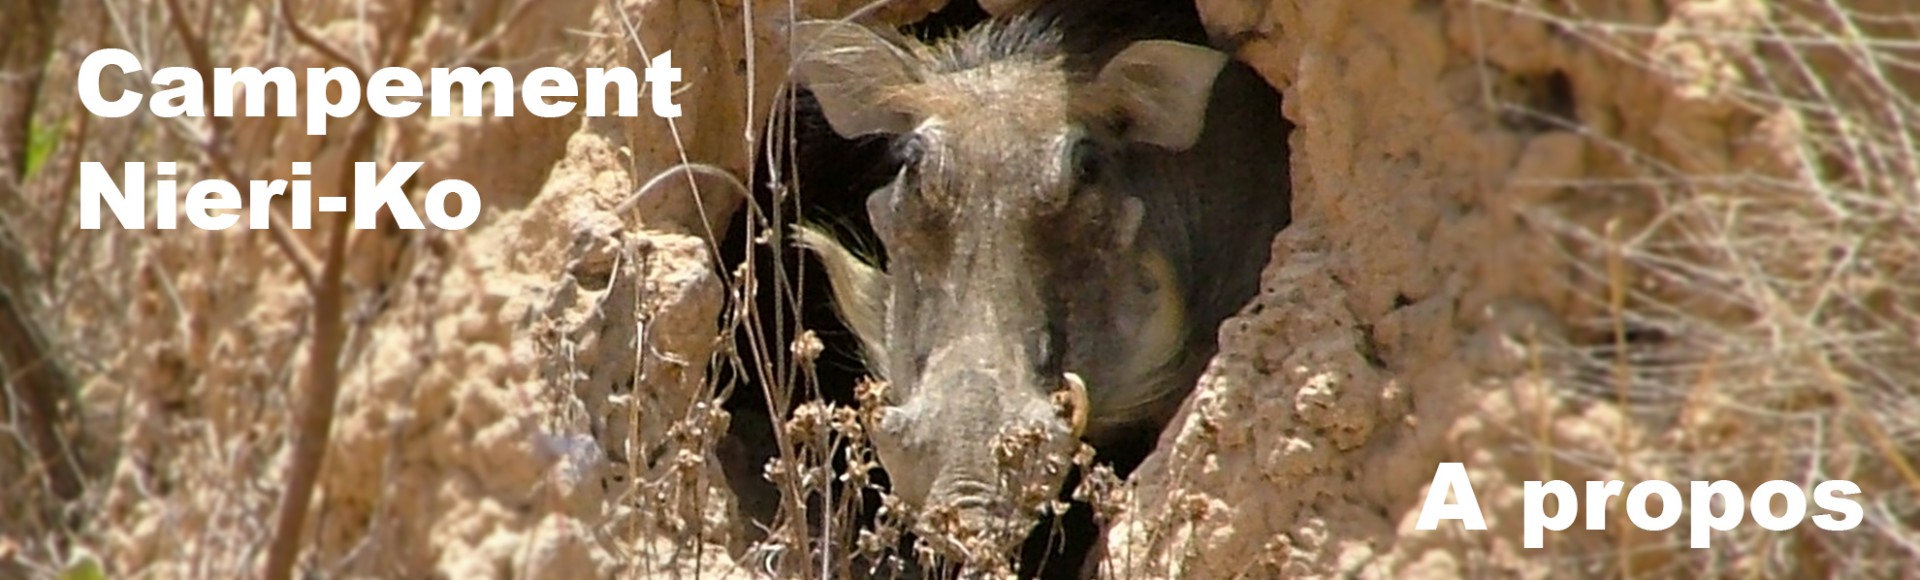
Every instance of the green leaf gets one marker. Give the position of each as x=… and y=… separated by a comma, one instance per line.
x=83, y=566
x=42, y=140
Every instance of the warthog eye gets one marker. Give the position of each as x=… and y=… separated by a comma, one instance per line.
x=1088, y=161
x=909, y=149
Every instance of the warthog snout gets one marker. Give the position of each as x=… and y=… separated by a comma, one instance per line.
x=982, y=479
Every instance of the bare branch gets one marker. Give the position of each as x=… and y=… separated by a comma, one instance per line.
x=322, y=388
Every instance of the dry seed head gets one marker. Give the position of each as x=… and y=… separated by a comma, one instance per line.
x=809, y=422
x=878, y=541
x=1102, y=489
x=924, y=551
x=891, y=507
x=860, y=465
x=870, y=392
x=777, y=471
x=806, y=348
x=847, y=422
x=1195, y=506
x=1014, y=446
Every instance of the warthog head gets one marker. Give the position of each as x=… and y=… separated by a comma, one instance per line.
x=1019, y=275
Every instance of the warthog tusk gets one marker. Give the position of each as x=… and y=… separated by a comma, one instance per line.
x=1073, y=402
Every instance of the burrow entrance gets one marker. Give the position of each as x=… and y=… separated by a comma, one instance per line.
x=806, y=173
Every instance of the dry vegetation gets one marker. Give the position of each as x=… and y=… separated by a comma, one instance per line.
x=1757, y=319
x=1720, y=288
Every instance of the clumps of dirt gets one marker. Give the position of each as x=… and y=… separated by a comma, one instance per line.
x=1259, y=461
x=1478, y=273
x=511, y=393
x=527, y=397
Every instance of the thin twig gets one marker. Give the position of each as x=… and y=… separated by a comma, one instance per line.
x=315, y=427
x=660, y=178
x=310, y=40
x=487, y=42
x=41, y=384
x=216, y=146
x=322, y=389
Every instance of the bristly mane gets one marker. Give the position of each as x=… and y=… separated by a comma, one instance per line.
x=1086, y=34
x=1031, y=37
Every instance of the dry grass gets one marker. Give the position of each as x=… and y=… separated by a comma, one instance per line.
x=1758, y=319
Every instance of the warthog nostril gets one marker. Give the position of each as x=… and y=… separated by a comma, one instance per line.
x=969, y=494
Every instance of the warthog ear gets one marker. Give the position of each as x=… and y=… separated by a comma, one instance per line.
x=850, y=69
x=859, y=293
x=1163, y=87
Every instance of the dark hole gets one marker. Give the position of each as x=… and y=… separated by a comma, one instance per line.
x=1545, y=103
x=834, y=175
x=1369, y=347
x=956, y=16
x=805, y=173
x=1638, y=365
x=808, y=173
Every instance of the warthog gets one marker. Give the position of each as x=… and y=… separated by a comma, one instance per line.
x=1078, y=209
